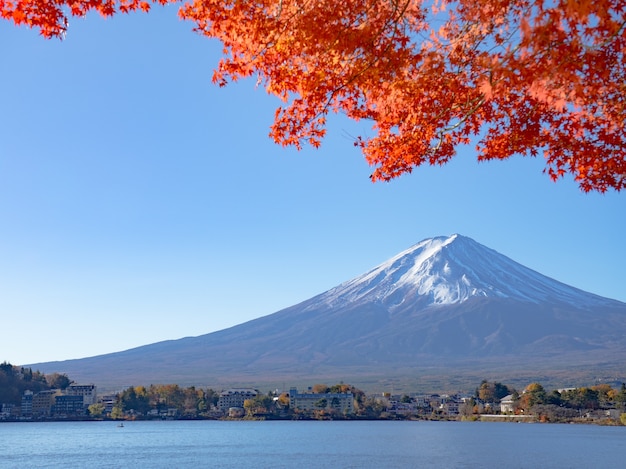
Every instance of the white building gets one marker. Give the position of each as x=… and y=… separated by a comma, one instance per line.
x=342, y=402
x=506, y=404
x=235, y=397
x=87, y=391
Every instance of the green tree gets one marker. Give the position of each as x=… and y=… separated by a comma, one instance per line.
x=554, y=398
x=202, y=406
x=321, y=403
x=501, y=390
x=533, y=394
x=96, y=410
x=368, y=407
x=581, y=398
x=135, y=400
x=117, y=413
x=211, y=397
x=6, y=368
x=261, y=404
x=620, y=398
x=27, y=374
x=605, y=394
x=14, y=381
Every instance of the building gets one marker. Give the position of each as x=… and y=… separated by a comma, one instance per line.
x=506, y=404
x=395, y=404
x=341, y=402
x=449, y=407
x=43, y=402
x=66, y=405
x=86, y=391
x=235, y=397
x=108, y=401
x=6, y=411
x=27, y=405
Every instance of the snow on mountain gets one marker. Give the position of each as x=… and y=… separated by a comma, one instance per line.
x=447, y=302
x=451, y=270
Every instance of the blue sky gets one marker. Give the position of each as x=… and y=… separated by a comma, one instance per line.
x=139, y=203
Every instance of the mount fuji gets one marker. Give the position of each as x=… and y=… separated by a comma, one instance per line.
x=446, y=307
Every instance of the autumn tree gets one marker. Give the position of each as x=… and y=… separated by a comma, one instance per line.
x=283, y=400
x=320, y=388
x=534, y=394
x=58, y=380
x=606, y=394
x=512, y=77
x=133, y=400
x=492, y=391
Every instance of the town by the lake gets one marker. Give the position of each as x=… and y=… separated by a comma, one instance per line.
x=27, y=395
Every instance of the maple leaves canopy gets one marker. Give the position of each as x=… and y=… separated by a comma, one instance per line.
x=516, y=76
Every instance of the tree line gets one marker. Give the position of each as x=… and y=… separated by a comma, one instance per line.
x=140, y=400
x=569, y=403
x=191, y=402
x=14, y=380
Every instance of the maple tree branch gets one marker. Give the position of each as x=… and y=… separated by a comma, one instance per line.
x=608, y=40
x=457, y=124
x=395, y=18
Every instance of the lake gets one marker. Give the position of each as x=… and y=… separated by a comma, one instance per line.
x=289, y=444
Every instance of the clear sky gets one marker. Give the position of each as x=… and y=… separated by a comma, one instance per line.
x=140, y=203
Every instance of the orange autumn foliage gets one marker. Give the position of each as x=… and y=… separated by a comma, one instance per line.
x=523, y=77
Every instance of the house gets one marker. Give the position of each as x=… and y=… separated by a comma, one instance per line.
x=395, y=404
x=506, y=404
x=449, y=406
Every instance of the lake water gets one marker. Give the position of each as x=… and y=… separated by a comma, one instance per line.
x=305, y=444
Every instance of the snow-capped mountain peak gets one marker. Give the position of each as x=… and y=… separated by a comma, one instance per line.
x=446, y=303
x=450, y=270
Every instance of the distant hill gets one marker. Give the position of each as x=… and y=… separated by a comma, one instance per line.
x=440, y=314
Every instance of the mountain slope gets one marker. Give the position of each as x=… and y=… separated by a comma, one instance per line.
x=447, y=302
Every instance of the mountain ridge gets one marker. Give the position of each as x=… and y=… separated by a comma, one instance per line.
x=446, y=302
